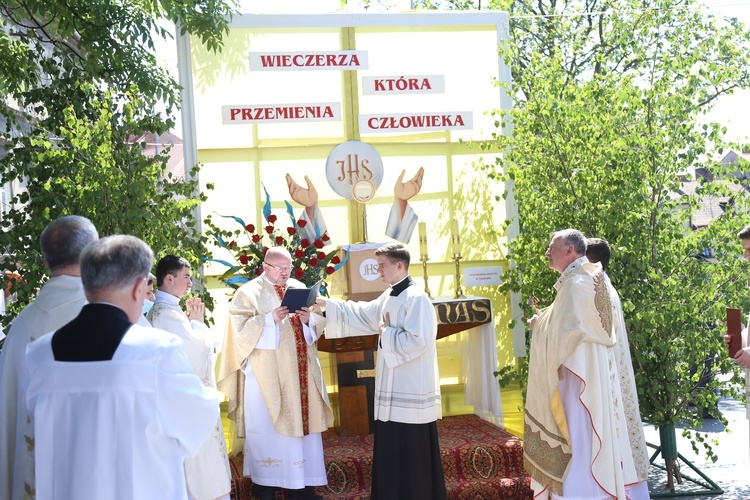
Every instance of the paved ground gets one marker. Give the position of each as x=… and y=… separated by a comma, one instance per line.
x=731, y=472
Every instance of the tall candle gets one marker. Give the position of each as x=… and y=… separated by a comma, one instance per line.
x=455, y=237
x=423, y=241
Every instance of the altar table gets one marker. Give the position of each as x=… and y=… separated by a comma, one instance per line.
x=355, y=366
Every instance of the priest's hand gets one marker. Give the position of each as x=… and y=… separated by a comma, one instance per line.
x=532, y=320
x=744, y=358
x=304, y=315
x=280, y=313
x=195, y=309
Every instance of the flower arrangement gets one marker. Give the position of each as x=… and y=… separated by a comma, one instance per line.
x=249, y=245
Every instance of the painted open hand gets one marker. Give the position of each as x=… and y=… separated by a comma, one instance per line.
x=306, y=197
x=406, y=190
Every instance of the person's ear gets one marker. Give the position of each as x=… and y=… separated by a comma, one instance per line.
x=137, y=291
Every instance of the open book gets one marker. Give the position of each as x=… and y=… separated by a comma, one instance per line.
x=297, y=298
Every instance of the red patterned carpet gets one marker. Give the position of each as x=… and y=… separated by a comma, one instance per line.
x=480, y=460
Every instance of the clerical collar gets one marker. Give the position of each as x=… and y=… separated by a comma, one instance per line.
x=166, y=297
x=576, y=263
x=265, y=278
x=402, y=285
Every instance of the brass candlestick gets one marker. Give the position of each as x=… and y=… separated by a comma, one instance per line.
x=458, y=294
x=424, y=260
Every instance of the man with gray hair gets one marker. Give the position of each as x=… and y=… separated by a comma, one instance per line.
x=115, y=406
x=575, y=439
x=59, y=300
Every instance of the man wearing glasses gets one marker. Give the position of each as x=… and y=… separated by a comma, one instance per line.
x=270, y=372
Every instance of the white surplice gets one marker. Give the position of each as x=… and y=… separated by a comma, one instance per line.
x=407, y=385
x=117, y=429
x=59, y=300
x=208, y=473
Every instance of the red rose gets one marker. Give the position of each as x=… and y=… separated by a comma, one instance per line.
x=272, y=218
x=250, y=228
x=269, y=229
x=313, y=262
x=301, y=223
x=330, y=270
x=318, y=243
x=304, y=243
x=298, y=273
x=256, y=238
x=264, y=250
x=279, y=240
x=335, y=259
x=299, y=254
x=232, y=244
x=321, y=255
x=258, y=271
x=291, y=231
x=325, y=237
x=244, y=259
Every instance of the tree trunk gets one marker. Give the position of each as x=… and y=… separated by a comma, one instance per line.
x=667, y=436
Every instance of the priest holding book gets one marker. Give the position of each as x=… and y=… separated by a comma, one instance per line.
x=270, y=372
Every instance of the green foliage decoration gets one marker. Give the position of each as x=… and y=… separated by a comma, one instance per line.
x=80, y=85
x=605, y=138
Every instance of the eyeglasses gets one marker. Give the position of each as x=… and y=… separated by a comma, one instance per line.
x=280, y=269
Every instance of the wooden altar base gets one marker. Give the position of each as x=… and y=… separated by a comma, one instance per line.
x=480, y=461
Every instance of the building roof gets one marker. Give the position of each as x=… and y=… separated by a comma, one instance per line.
x=712, y=206
x=155, y=144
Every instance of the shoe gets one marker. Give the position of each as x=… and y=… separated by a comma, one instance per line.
x=306, y=493
x=264, y=492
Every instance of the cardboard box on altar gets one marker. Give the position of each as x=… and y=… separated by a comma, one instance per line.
x=361, y=278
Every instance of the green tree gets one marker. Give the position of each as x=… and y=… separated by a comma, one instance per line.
x=80, y=80
x=608, y=97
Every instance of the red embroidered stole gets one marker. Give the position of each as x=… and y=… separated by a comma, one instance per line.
x=301, y=345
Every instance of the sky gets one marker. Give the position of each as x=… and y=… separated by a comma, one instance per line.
x=732, y=111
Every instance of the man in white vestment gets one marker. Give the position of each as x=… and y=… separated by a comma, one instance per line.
x=115, y=406
x=576, y=443
x=208, y=473
x=59, y=300
x=598, y=251
x=406, y=456
x=270, y=372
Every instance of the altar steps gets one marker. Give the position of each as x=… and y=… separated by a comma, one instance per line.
x=480, y=461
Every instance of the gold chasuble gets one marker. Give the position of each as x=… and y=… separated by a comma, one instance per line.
x=289, y=376
x=580, y=316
